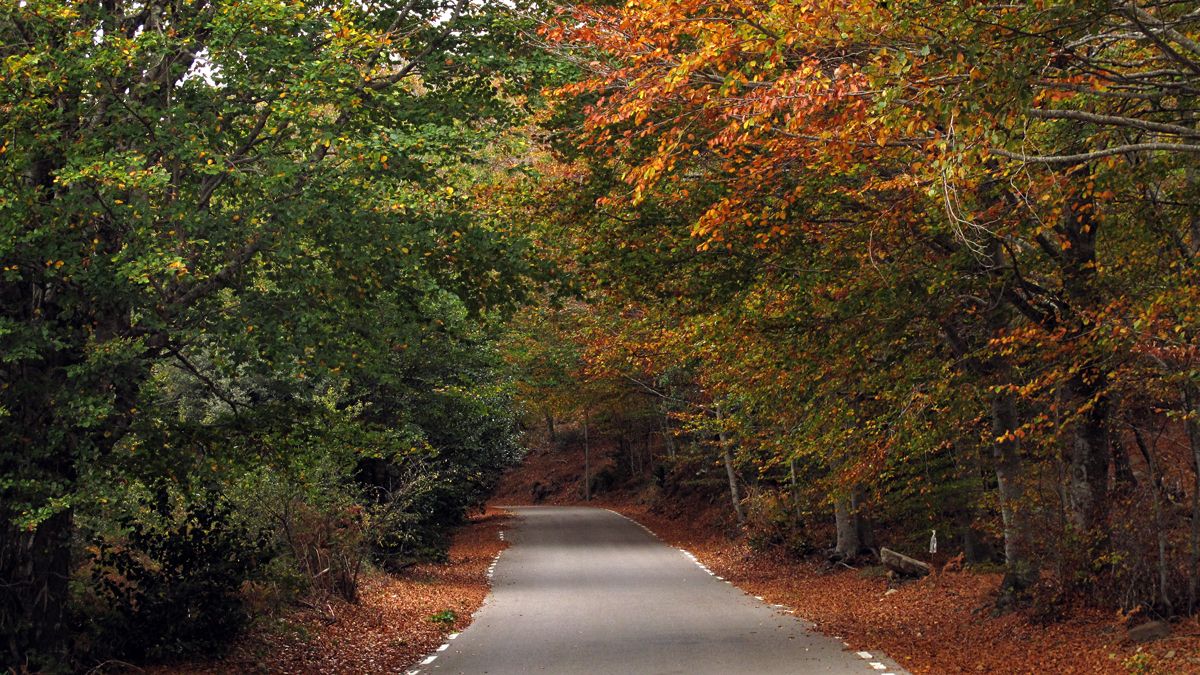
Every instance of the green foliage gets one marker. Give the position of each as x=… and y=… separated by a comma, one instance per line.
x=171, y=588
x=446, y=617
x=242, y=253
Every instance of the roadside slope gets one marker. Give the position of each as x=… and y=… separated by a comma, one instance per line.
x=391, y=625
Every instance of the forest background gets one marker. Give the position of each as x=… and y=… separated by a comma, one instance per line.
x=282, y=282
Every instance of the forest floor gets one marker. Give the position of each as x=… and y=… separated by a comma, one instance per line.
x=390, y=627
x=941, y=624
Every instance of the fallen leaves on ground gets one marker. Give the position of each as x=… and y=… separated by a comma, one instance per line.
x=937, y=625
x=941, y=624
x=388, y=629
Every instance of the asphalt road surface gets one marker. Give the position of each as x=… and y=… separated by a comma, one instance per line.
x=584, y=590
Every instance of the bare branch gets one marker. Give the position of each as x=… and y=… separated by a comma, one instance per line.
x=1084, y=157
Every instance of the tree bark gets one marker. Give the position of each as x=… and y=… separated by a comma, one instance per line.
x=1192, y=403
x=1020, y=569
x=1089, y=451
x=902, y=564
x=36, y=567
x=668, y=436
x=848, y=541
x=550, y=431
x=735, y=494
x=1088, y=456
x=587, y=461
x=1159, y=529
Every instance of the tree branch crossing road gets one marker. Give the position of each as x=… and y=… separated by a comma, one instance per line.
x=585, y=590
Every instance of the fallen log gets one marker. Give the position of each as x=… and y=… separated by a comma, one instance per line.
x=902, y=564
x=1149, y=632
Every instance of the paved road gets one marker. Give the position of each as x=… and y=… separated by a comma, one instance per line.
x=586, y=591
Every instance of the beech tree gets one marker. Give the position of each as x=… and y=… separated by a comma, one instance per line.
x=198, y=184
x=954, y=203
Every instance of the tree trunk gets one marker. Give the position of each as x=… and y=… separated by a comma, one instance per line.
x=848, y=542
x=1192, y=403
x=795, y=493
x=1089, y=452
x=35, y=567
x=1020, y=569
x=550, y=431
x=1126, y=482
x=1159, y=529
x=862, y=522
x=1088, y=456
x=587, y=461
x=668, y=436
x=727, y=456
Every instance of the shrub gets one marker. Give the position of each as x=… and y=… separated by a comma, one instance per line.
x=171, y=588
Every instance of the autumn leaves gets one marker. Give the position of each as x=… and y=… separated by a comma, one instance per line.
x=952, y=236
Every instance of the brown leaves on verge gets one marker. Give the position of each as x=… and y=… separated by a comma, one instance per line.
x=937, y=625
x=388, y=629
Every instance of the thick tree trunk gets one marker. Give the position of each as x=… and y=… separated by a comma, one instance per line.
x=854, y=530
x=1159, y=528
x=848, y=541
x=1125, y=481
x=1020, y=569
x=1089, y=452
x=1088, y=456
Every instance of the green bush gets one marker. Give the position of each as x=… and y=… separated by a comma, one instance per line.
x=173, y=590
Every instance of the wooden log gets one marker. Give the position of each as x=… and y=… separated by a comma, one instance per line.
x=1149, y=632
x=902, y=564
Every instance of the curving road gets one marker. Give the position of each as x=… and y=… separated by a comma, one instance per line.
x=587, y=591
